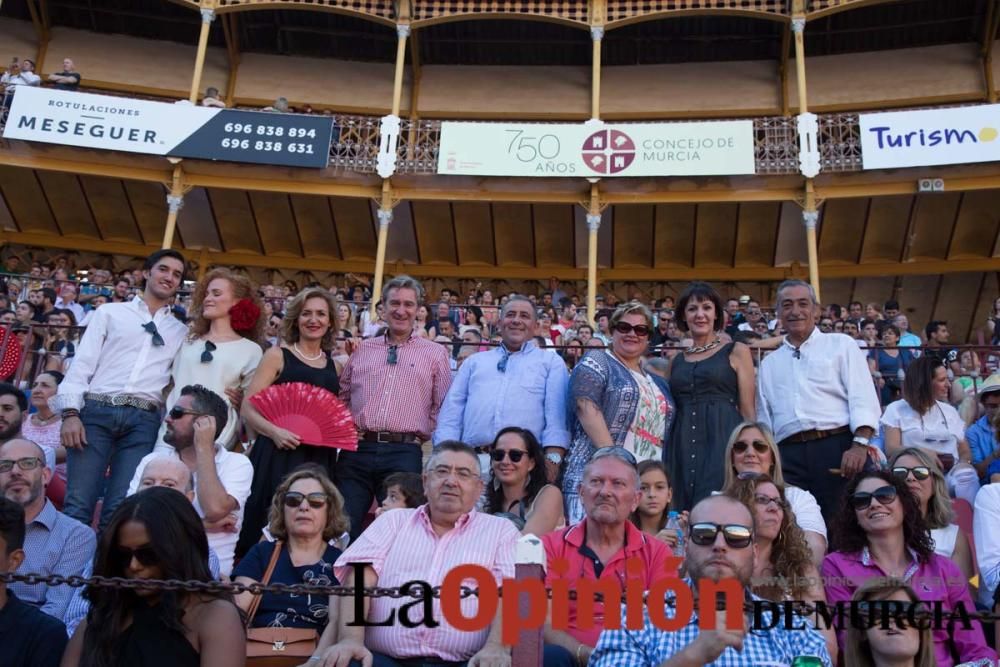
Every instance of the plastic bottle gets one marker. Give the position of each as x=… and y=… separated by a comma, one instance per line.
x=674, y=523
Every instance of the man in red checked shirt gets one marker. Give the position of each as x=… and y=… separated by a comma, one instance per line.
x=394, y=385
x=599, y=548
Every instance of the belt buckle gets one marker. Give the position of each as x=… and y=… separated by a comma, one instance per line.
x=378, y=437
x=119, y=400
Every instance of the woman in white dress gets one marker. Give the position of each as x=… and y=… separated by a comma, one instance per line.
x=919, y=470
x=223, y=349
x=751, y=451
x=924, y=418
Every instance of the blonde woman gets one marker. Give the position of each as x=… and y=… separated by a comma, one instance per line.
x=304, y=356
x=223, y=348
x=346, y=318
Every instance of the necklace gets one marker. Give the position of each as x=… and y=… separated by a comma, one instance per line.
x=42, y=421
x=295, y=346
x=704, y=348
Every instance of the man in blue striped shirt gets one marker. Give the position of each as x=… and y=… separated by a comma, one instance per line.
x=719, y=546
x=515, y=384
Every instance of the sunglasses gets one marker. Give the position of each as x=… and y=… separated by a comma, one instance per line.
x=178, y=412
x=206, y=356
x=393, y=357
x=316, y=500
x=515, y=455
x=145, y=555
x=618, y=452
x=641, y=330
x=27, y=463
x=862, y=500
x=759, y=446
x=736, y=536
x=920, y=473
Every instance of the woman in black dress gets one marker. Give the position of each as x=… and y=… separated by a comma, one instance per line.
x=712, y=383
x=303, y=356
x=156, y=534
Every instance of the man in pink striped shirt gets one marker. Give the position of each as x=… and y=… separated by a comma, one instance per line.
x=424, y=544
x=394, y=385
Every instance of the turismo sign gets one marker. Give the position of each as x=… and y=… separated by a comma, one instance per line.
x=933, y=136
x=161, y=128
x=593, y=150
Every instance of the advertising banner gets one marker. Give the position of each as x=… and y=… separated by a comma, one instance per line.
x=593, y=150
x=957, y=135
x=161, y=128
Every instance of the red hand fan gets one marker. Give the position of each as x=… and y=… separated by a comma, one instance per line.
x=310, y=412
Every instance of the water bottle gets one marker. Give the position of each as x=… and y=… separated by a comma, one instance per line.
x=674, y=524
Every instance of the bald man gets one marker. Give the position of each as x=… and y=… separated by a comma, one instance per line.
x=53, y=542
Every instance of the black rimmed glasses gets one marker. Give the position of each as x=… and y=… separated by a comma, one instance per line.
x=177, y=412
x=862, y=500
x=150, y=328
x=27, y=463
x=316, y=500
x=763, y=501
x=206, y=355
x=737, y=536
x=641, y=330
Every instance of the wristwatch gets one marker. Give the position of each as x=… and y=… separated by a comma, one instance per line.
x=554, y=457
x=861, y=440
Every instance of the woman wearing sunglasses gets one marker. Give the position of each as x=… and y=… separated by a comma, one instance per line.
x=924, y=418
x=220, y=353
x=615, y=402
x=517, y=488
x=752, y=451
x=155, y=534
x=306, y=513
x=880, y=532
x=919, y=470
x=713, y=385
x=893, y=645
x=783, y=568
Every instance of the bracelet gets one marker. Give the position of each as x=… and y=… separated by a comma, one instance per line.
x=69, y=413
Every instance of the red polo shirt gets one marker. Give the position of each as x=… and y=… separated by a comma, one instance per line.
x=568, y=545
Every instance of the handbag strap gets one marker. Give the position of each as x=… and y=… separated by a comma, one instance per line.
x=252, y=611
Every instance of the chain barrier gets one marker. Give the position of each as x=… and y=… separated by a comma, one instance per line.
x=414, y=591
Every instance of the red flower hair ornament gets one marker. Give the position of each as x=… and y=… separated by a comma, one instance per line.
x=243, y=316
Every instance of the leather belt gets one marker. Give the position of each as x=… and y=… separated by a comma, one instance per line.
x=123, y=400
x=388, y=436
x=814, y=434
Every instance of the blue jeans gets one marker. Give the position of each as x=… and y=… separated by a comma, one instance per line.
x=117, y=437
x=361, y=474
x=556, y=656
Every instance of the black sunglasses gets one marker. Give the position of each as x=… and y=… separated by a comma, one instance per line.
x=759, y=446
x=920, y=473
x=316, y=500
x=393, y=355
x=736, y=536
x=515, y=455
x=640, y=330
x=206, y=356
x=177, y=412
x=862, y=500
x=145, y=555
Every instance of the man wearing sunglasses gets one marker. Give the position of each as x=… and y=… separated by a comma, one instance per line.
x=816, y=394
x=111, y=398
x=598, y=548
x=54, y=543
x=222, y=478
x=719, y=546
x=516, y=383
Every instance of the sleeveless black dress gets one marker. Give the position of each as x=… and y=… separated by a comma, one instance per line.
x=148, y=642
x=270, y=464
x=707, y=396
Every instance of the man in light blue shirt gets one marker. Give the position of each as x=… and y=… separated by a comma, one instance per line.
x=980, y=436
x=906, y=338
x=515, y=384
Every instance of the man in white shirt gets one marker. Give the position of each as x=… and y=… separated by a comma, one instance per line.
x=221, y=478
x=111, y=397
x=816, y=394
x=20, y=74
x=985, y=520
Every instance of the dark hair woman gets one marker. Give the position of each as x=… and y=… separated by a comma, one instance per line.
x=518, y=488
x=880, y=532
x=156, y=534
x=712, y=383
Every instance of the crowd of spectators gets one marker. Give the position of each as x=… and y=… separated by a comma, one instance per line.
x=699, y=439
